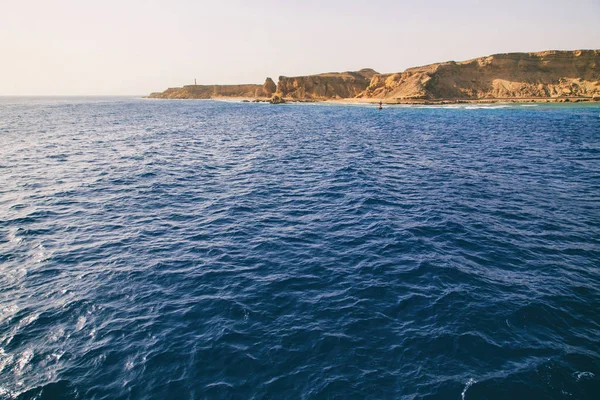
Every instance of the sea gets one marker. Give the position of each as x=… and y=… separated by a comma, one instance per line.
x=164, y=249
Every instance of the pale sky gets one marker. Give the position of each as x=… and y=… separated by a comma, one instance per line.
x=134, y=47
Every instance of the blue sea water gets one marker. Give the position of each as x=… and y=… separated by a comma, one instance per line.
x=214, y=250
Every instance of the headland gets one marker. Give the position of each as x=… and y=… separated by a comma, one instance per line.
x=548, y=76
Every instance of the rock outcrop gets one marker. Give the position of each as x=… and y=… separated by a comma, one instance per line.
x=269, y=87
x=277, y=100
x=333, y=85
x=548, y=74
x=217, y=91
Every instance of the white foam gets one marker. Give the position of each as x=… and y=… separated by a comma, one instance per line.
x=15, y=275
x=442, y=106
x=234, y=100
x=6, y=393
x=41, y=255
x=55, y=335
x=484, y=107
x=467, y=386
x=8, y=311
x=24, y=360
x=5, y=359
x=12, y=236
x=100, y=360
x=28, y=320
x=583, y=375
x=80, y=323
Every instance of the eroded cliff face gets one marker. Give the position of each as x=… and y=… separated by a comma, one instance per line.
x=269, y=87
x=502, y=76
x=333, y=85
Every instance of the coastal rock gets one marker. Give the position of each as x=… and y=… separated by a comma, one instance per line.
x=545, y=74
x=333, y=85
x=269, y=87
x=276, y=100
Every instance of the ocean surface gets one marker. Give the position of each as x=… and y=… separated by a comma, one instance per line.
x=218, y=250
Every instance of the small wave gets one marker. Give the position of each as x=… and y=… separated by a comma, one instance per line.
x=18, y=206
x=442, y=106
x=226, y=100
x=42, y=255
x=28, y=320
x=80, y=323
x=56, y=334
x=470, y=383
x=12, y=236
x=8, y=311
x=24, y=360
x=7, y=394
x=5, y=359
x=484, y=107
x=583, y=375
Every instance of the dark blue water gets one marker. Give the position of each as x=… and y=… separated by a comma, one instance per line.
x=210, y=250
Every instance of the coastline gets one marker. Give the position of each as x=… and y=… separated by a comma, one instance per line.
x=369, y=101
x=543, y=77
x=469, y=101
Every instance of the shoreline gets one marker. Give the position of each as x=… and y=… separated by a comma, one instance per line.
x=418, y=102
x=505, y=100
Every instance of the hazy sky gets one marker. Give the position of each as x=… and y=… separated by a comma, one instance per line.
x=63, y=47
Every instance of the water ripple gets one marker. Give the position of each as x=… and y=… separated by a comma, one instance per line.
x=167, y=249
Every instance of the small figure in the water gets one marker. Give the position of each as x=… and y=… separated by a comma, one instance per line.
x=380, y=105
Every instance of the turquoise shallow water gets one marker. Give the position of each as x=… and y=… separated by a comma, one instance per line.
x=200, y=249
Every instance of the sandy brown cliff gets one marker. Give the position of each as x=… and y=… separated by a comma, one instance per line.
x=215, y=91
x=332, y=85
x=547, y=74
x=520, y=76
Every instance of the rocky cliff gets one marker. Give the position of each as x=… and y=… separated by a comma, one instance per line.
x=545, y=74
x=215, y=91
x=333, y=85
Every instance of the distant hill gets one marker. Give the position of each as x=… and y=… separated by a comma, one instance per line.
x=217, y=91
x=551, y=75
